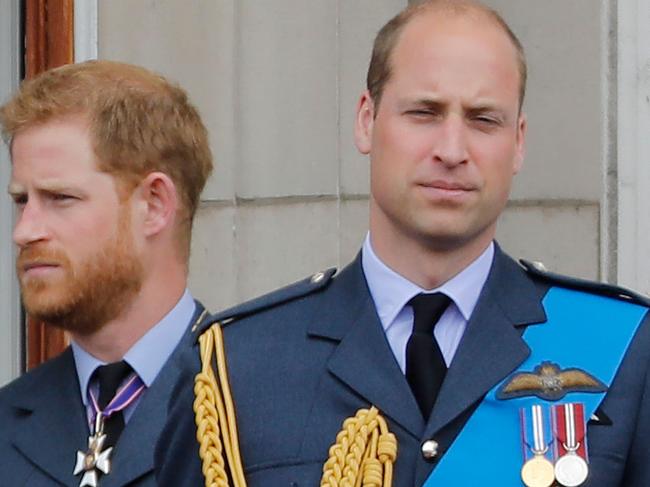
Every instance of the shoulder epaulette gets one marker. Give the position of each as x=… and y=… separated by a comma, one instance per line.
x=538, y=270
x=280, y=296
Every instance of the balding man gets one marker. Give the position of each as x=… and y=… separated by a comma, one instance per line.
x=434, y=358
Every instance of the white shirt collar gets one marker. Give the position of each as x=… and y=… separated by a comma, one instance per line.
x=391, y=292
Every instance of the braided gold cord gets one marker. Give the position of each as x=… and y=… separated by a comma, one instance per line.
x=230, y=433
x=363, y=454
x=215, y=415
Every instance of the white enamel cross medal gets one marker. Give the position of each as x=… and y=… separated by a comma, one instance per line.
x=94, y=461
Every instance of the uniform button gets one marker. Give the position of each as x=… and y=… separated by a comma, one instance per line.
x=429, y=449
x=540, y=266
x=318, y=277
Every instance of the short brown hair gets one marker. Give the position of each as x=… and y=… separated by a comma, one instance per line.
x=380, y=70
x=139, y=123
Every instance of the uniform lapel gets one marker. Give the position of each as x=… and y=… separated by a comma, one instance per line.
x=490, y=349
x=134, y=453
x=492, y=346
x=363, y=359
x=50, y=424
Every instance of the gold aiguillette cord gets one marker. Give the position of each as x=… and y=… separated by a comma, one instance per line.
x=215, y=415
x=363, y=454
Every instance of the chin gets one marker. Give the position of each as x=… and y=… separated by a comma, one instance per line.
x=42, y=302
x=59, y=306
x=445, y=238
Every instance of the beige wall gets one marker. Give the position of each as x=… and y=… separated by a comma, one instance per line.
x=276, y=83
x=557, y=202
x=277, y=88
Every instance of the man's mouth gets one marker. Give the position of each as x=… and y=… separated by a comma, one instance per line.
x=38, y=268
x=446, y=189
x=448, y=185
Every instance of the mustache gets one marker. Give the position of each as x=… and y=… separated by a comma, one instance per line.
x=38, y=254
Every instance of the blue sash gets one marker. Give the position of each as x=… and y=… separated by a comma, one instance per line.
x=584, y=331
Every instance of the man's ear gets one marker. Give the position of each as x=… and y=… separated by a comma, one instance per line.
x=364, y=123
x=158, y=203
x=522, y=125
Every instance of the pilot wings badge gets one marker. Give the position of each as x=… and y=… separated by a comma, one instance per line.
x=549, y=382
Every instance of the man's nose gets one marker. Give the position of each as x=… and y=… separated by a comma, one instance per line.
x=30, y=225
x=451, y=144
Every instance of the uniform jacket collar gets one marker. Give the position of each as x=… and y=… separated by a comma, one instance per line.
x=50, y=420
x=490, y=349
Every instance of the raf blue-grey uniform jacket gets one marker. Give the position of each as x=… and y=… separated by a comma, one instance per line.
x=43, y=424
x=304, y=358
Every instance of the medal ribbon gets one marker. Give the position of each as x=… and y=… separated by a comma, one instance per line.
x=578, y=333
x=124, y=396
x=536, y=430
x=569, y=428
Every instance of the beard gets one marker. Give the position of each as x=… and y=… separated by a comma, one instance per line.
x=84, y=296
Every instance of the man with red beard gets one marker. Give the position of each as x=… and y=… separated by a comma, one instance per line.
x=108, y=163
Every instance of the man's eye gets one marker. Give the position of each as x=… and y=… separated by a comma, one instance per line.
x=62, y=198
x=20, y=200
x=486, y=120
x=422, y=113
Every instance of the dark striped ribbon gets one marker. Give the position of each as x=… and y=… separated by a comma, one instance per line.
x=124, y=396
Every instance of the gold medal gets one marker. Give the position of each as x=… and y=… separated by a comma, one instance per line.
x=538, y=472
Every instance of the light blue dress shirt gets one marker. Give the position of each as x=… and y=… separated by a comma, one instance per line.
x=391, y=292
x=146, y=357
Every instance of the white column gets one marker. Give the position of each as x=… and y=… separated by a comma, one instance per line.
x=85, y=30
x=10, y=325
x=633, y=144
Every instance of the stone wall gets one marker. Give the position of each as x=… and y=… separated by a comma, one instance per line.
x=277, y=83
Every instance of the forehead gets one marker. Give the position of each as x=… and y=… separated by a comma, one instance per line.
x=54, y=149
x=467, y=51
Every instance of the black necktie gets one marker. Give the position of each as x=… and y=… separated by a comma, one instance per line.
x=425, y=365
x=109, y=378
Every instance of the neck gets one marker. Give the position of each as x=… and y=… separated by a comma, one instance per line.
x=156, y=298
x=422, y=263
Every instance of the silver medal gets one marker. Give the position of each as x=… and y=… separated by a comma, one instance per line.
x=94, y=461
x=571, y=470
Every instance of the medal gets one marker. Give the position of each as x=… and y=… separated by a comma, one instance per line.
x=537, y=471
x=94, y=460
x=571, y=469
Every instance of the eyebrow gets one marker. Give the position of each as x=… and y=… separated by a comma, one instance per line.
x=441, y=105
x=428, y=102
x=486, y=107
x=15, y=189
